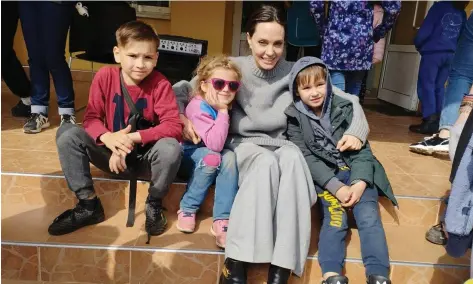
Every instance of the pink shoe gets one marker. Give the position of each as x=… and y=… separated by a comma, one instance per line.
x=219, y=231
x=185, y=221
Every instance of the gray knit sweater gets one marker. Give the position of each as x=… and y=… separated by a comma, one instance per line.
x=258, y=114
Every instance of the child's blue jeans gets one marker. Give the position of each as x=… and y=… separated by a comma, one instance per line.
x=204, y=167
x=332, y=249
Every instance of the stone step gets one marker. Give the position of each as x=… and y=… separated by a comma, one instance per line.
x=87, y=264
x=36, y=201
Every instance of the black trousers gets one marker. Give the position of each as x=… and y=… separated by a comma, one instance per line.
x=12, y=72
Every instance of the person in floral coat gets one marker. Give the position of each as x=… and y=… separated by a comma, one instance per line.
x=349, y=37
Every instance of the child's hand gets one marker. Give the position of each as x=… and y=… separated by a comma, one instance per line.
x=188, y=133
x=343, y=194
x=117, y=163
x=356, y=192
x=135, y=137
x=212, y=99
x=118, y=142
x=349, y=142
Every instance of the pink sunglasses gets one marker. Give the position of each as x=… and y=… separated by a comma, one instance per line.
x=219, y=84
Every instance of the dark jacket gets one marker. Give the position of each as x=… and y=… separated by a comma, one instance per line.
x=441, y=28
x=322, y=164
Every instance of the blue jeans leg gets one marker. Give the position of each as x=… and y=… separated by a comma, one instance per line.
x=30, y=16
x=45, y=26
x=332, y=234
x=374, y=249
x=205, y=167
x=442, y=76
x=226, y=186
x=56, y=19
x=353, y=81
x=338, y=79
x=460, y=78
x=348, y=81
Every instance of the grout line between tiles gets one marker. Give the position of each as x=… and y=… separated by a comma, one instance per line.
x=418, y=197
x=39, y=264
x=177, y=183
x=62, y=177
x=211, y=252
x=129, y=270
x=112, y=247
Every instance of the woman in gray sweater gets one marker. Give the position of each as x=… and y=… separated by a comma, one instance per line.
x=270, y=219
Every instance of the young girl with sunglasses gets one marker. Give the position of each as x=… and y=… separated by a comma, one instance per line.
x=218, y=80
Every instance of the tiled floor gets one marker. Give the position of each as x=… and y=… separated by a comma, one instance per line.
x=34, y=192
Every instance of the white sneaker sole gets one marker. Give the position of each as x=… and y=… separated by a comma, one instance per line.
x=187, y=231
x=34, y=131
x=429, y=150
x=422, y=150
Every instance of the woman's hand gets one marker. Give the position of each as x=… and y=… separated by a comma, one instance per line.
x=188, y=133
x=349, y=142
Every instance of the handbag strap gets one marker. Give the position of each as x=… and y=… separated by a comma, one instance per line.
x=133, y=179
x=127, y=96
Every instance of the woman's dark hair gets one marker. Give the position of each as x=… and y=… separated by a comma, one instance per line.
x=460, y=5
x=265, y=14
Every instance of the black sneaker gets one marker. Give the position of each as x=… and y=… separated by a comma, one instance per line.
x=336, y=279
x=155, y=219
x=431, y=145
x=67, y=118
x=377, y=279
x=21, y=110
x=35, y=123
x=74, y=219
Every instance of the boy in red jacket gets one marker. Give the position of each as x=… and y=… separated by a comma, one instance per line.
x=106, y=139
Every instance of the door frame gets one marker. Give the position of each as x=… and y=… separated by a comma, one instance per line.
x=236, y=30
x=413, y=104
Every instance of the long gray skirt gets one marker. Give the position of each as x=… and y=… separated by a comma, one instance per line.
x=270, y=221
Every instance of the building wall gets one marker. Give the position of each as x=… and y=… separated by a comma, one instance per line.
x=211, y=21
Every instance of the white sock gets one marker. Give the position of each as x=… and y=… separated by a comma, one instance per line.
x=26, y=101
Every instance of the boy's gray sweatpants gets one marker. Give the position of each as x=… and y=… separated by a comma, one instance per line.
x=76, y=149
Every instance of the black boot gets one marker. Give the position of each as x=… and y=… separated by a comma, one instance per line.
x=377, y=279
x=337, y=279
x=233, y=272
x=429, y=125
x=278, y=275
x=87, y=212
x=21, y=110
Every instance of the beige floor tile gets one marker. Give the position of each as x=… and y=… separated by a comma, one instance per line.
x=429, y=275
x=19, y=263
x=85, y=265
x=172, y=268
x=411, y=212
x=422, y=165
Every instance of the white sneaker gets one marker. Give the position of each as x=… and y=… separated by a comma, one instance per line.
x=68, y=118
x=35, y=123
x=431, y=145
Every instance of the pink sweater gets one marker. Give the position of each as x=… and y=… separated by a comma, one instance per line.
x=210, y=125
x=378, y=51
